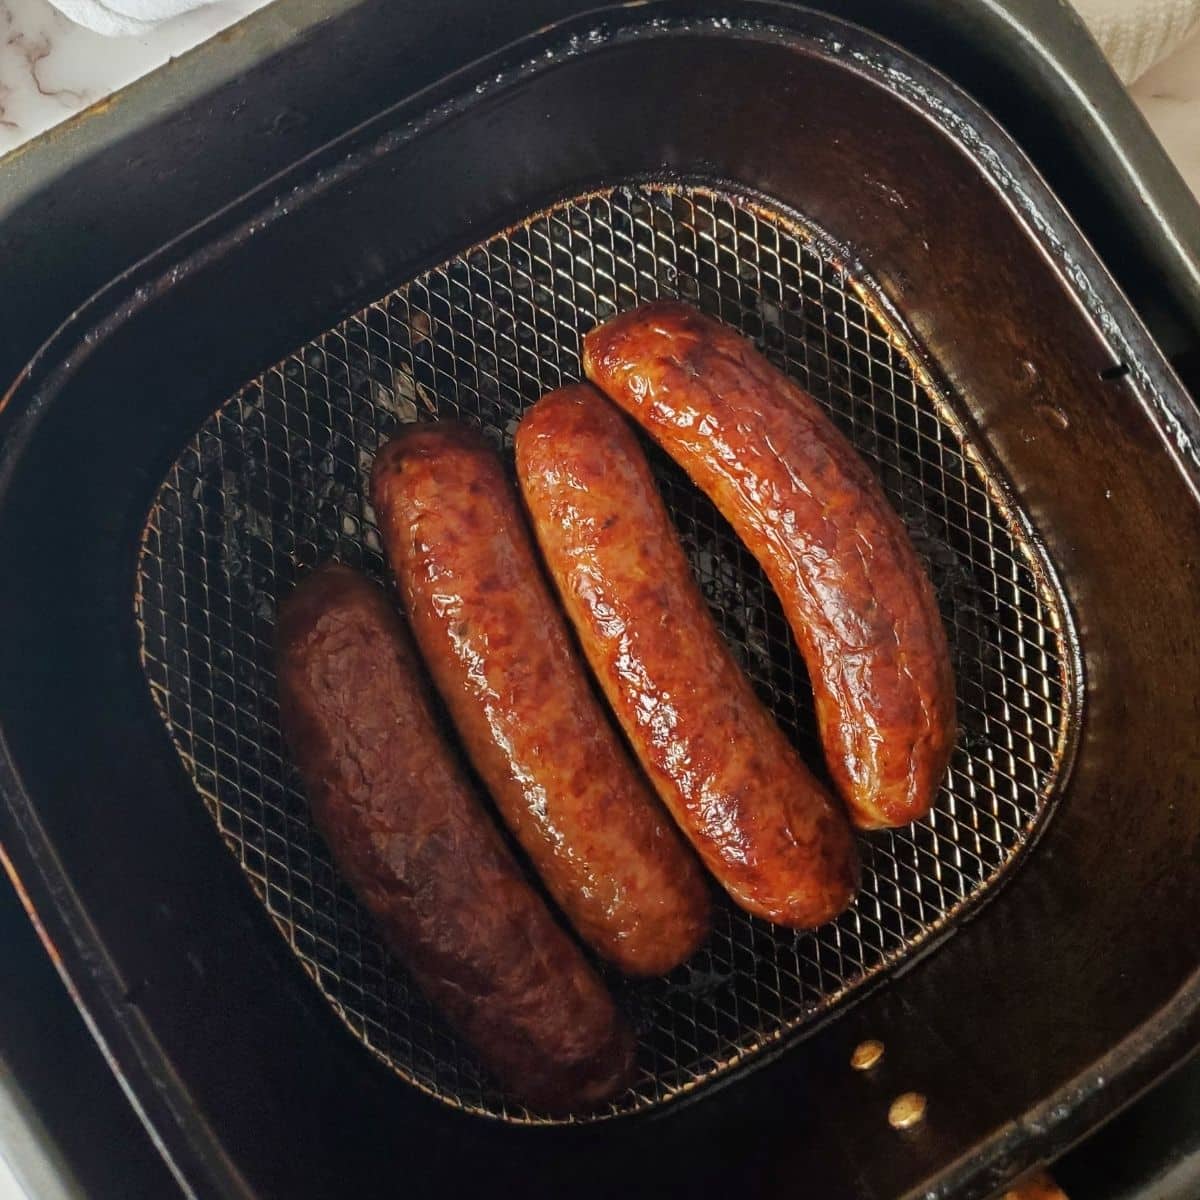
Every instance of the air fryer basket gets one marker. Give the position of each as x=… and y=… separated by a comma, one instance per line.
x=274, y=482
x=883, y=242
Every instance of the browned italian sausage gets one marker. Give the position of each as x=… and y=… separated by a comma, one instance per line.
x=500, y=654
x=860, y=605
x=411, y=838
x=762, y=824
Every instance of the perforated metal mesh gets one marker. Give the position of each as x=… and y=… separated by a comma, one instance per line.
x=274, y=483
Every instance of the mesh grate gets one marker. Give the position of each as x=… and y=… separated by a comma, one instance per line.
x=273, y=484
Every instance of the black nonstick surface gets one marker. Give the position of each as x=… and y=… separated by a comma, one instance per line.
x=275, y=482
x=1066, y=992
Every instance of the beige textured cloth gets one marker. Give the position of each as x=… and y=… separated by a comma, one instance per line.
x=1136, y=34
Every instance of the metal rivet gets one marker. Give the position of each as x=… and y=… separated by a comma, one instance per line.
x=907, y=1110
x=866, y=1054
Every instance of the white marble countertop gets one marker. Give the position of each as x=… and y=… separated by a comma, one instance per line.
x=51, y=68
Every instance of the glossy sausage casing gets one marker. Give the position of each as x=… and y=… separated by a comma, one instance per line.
x=411, y=838
x=808, y=508
x=734, y=784
x=501, y=656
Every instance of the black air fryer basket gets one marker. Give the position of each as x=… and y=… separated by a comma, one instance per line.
x=198, y=434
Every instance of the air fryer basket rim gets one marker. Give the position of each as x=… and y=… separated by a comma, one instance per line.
x=65, y=927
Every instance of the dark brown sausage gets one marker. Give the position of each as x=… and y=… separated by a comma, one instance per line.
x=808, y=508
x=763, y=825
x=499, y=652
x=409, y=835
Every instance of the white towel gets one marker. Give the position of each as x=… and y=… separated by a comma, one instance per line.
x=1136, y=34
x=117, y=18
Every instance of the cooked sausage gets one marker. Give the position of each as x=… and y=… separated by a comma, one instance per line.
x=410, y=836
x=860, y=606
x=499, y=651
x=734, y=784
